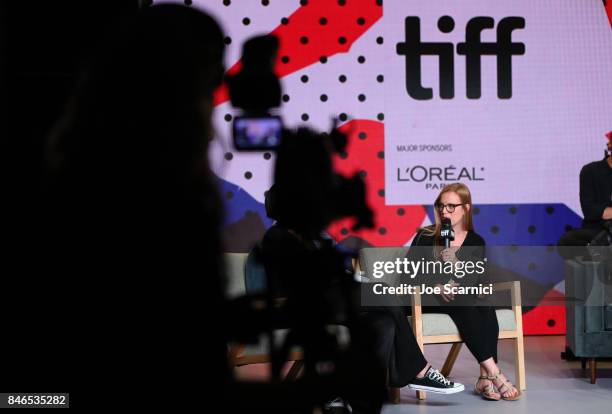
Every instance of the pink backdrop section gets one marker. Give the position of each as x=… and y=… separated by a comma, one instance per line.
x=339, y=59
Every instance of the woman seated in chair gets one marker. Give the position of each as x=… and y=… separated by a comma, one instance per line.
x=477, y=325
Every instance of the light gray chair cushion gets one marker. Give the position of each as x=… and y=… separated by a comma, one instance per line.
x=234, y=272
x=442, y=324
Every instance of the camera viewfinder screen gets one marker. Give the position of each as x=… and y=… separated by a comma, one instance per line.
x=257, y=132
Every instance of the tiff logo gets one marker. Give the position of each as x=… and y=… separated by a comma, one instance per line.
x=473, y=48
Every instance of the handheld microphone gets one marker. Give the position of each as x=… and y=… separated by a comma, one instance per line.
x=446, y=232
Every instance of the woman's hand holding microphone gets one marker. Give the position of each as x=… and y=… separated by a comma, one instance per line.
x=448, y=255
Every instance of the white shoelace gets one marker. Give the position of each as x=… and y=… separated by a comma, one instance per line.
x=435, y=375
x=338, y=402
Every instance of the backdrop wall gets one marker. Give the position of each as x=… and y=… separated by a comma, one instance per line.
x=511, y=98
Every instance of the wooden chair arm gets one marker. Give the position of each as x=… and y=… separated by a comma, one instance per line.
x=515, y=290
x=417, y=316
x=515, y=300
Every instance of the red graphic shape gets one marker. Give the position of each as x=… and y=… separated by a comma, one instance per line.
x=536, y=321
x=609, y=11
x=395, y=225
x=304, y=39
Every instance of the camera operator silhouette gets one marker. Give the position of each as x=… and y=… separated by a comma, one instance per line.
x=134, y=215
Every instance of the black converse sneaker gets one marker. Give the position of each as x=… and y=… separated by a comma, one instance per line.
x=433, y=381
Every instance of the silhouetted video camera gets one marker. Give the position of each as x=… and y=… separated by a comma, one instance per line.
x=303, y=268
x=319, y=193
x=256, y=90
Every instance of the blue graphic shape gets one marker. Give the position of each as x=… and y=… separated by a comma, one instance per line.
x=524, y=225
x=237, y=203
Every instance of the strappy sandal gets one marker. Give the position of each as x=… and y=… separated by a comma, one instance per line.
x=488, y=392
x=505, y=387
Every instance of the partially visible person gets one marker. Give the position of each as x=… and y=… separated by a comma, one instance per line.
x=477, y=324
x=134, y=217
x=596, y=190
x=595, y=201
x=41, y=46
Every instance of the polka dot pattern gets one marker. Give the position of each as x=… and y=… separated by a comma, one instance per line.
x=330, y=66
x=395, y=225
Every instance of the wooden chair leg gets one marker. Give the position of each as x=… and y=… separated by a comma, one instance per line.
x=451, y=358
x=233, y=354
x=583, y=363
x=295, y=369
x=593, y=367
x=394, y=395
x=417, y=328
x=421, y=395
x=519, y=360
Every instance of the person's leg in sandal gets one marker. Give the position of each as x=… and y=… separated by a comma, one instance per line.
x=484, y=387
x=507, y=390
x=479, y=330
